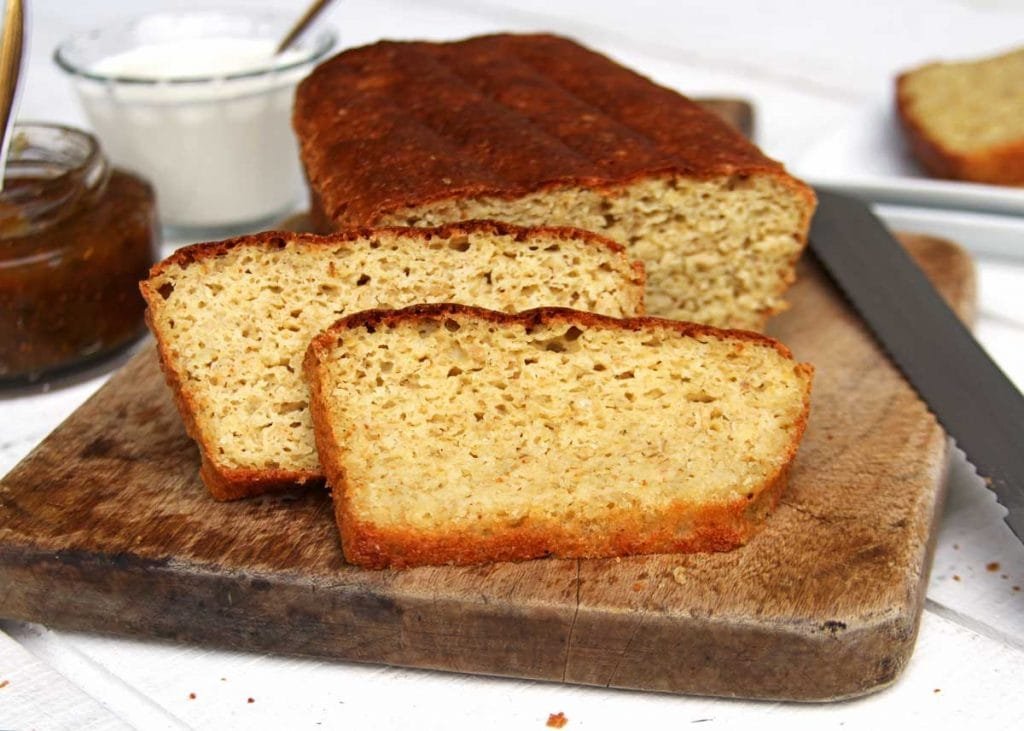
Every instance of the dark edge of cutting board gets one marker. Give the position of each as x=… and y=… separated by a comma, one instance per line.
x=105, y=527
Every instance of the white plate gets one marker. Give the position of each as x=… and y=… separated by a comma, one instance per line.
x=869, y=159
x=984, y=234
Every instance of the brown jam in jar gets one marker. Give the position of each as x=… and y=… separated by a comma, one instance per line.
x=75, y=239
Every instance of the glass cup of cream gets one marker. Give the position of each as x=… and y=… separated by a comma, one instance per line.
x=198, y=103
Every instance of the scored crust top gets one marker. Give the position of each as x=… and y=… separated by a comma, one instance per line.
x=400, y=124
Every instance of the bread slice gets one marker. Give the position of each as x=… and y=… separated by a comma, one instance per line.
x=233, y=320
x=965, y=120
x=453, y=434
x=536, y=129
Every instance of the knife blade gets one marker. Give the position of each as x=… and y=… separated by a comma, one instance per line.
x=970, y=396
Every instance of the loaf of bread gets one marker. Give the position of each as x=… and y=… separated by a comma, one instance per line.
x=233, y=319
x=535, y=129
x=453, y=434
x=965, y=120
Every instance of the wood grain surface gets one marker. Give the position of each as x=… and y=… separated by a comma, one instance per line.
x=106, y=527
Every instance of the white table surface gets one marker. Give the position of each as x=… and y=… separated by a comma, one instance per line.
x=809, y=68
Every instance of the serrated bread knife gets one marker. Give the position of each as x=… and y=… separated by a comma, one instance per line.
x=972, y=399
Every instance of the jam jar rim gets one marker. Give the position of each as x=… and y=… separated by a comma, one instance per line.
x=48, y=200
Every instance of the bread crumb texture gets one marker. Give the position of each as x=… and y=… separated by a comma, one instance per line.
x=718, y=251
x=965, y=119
x=233, y=320
x=454, y=435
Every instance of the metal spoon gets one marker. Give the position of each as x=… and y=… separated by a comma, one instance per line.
x=310, y=15
x=10, y=69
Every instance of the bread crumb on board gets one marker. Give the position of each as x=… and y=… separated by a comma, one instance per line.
x=557, y=720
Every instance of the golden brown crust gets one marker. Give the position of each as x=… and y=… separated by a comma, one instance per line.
x=330, y=458
x=995, y=165
x=209, y=250
x=397, y=125
x=683, y=528
x=235, y=484
x=532, y=318
x=720, y=527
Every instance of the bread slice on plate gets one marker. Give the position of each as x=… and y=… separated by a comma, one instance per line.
x=536, y=129
x=965, y=120
x=233, y=320
x=457, y=435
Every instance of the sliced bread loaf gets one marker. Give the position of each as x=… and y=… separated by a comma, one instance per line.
x=233, y=320
x=453, y=434
x=965, y=120
x=538, y=130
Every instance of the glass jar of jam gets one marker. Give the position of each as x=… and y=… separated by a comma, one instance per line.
x=76, y=236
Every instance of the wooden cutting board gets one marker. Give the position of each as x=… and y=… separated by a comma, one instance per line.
x=106, y=527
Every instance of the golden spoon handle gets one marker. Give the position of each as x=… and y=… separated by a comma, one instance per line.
x=10, y=68
x=310, y=15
